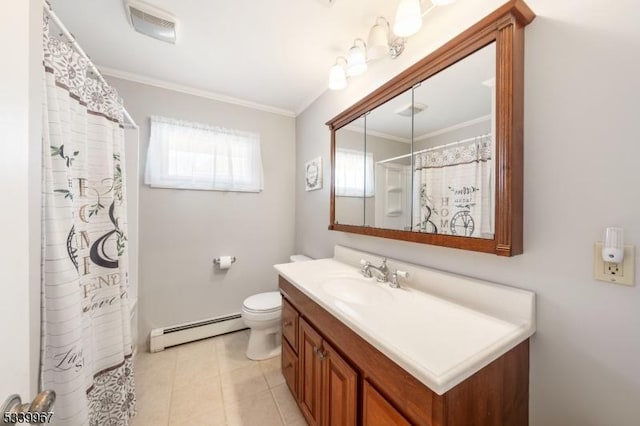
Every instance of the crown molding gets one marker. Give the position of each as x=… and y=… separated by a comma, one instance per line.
x=137, y=78
x=359, y=129
x=454, y=127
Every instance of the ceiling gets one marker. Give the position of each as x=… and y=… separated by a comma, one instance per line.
x=275, y=53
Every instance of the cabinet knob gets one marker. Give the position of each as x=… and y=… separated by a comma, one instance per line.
x=319, y=353
x=288, y=365
x=288, y=323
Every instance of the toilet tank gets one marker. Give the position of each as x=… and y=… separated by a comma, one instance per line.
x=299, y=258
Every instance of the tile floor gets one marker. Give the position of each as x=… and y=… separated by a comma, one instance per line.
x=211, y=382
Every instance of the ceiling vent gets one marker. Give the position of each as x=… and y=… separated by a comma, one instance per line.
x=411, y=109
x=151, y=21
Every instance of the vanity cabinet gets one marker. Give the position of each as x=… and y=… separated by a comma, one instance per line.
x=344, y=380
x=290, y=346
x=327, y=384
x=376, y=410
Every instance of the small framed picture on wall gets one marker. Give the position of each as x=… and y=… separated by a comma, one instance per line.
x=313, y=174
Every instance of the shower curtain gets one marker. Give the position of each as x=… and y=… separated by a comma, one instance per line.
x=86, y=336
x=452, y=189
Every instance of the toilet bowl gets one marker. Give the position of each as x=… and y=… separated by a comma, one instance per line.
x=262, y=313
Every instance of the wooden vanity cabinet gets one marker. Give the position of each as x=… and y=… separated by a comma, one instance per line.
x=343, y=380
x=290, y=324
x=376, y=410
x=290, y=346
x=327, y=384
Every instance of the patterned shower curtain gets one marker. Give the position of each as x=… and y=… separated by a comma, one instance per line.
x=86, y=336
x=452, y=187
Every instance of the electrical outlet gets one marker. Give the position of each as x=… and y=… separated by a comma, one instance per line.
x=616, y=273
x=614, y=269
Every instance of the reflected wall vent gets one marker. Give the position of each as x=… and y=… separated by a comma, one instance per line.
x=410, y=109
x=151, y=21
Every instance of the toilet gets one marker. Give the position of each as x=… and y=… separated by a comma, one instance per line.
x=262, y=313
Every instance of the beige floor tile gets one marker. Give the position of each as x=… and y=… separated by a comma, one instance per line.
x=192, y=369
x=153, y=384
x=258, y=409
x=211, y=382
x=204, y=418
x=152, y=405
x=242, y=383
x=201, y=393
x=199, y=349
x=301, y=422
x=202, y=400
x=146, y=361
x=272, y=370
x=231, y=351
x=155, y=418
x=287, y=405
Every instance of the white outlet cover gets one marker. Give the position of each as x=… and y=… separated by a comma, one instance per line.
x=627, y=268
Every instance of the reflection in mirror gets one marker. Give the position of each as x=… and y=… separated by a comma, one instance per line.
x=351, y=166
x=388, y=139
x=454, y=150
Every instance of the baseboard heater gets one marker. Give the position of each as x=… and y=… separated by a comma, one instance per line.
x=162, y=338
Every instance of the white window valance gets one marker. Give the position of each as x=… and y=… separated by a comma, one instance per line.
x=354, y=173
x=187, y=155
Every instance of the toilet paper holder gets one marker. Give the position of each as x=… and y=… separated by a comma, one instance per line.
x=217, y=260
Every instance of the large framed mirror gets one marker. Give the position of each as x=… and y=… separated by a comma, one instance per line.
x=435, y=155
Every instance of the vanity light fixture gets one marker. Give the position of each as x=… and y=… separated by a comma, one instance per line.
x=337, y=75
x=378, y=39
x=408, y=21
x=357, y=58
x=408, y=18
x=378, y=43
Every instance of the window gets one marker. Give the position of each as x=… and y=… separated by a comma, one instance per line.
x=197, y=156
x=350, y=173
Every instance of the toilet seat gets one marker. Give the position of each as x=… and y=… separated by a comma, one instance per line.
x=263, y=302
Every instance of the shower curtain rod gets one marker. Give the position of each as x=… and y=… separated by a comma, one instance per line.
x=47, y=8
x=433, y=148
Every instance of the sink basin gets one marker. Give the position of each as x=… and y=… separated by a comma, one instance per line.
x=357, y=291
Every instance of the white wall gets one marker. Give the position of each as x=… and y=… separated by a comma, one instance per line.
x=582, y=100
x=182, y=231
x=351, y=210
x=20, y=122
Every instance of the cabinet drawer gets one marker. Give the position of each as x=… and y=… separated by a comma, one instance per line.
x=377, y=411
x=290, y=368
x=290, y=324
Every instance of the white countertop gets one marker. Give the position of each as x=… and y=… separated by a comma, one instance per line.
x=437, y=339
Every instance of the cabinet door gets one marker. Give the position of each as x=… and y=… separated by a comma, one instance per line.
x=290, y=324
x=377, y=411
x=290, y=368
x=309, y=372
x=339, y=389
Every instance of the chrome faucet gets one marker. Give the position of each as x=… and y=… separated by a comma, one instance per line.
x=382, y=271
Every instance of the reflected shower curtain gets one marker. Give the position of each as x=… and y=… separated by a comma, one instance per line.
x=86, y=336
x=452, y=189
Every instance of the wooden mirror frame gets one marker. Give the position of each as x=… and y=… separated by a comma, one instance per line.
x=505, y=27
